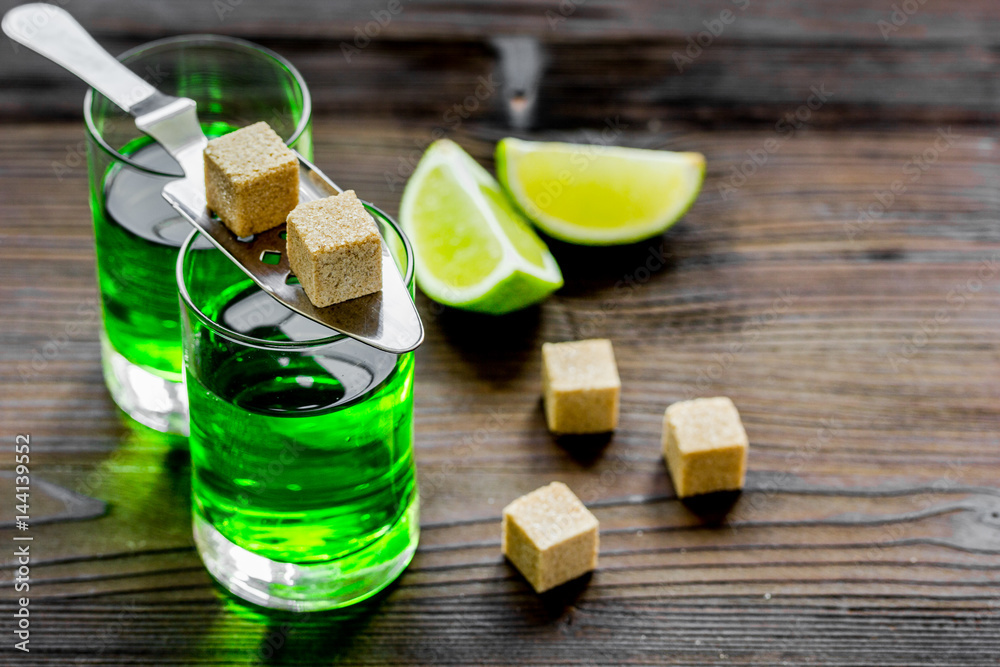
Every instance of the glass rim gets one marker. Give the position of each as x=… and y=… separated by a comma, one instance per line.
x=261, y=343
x=205, y=39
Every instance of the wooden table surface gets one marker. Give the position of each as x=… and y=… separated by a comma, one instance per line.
x=862, y=350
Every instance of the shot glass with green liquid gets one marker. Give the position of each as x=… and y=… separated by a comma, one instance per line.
x=137, y=234
x=304, y=487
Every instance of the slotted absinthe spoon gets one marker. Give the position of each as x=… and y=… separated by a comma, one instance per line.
x=387, y=320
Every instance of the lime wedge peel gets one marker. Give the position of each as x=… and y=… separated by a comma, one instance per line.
x=599, y=195
x=473, y=250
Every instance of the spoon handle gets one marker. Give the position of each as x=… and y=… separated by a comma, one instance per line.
x=52, y=32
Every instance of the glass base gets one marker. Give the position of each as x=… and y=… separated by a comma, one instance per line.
x=149, y=399
x=314, y=586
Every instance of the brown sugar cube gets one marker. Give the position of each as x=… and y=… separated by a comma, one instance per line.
x=550, y=536
x=705, y=446
x=581, y=387
x=251, y=179
x=334, y=249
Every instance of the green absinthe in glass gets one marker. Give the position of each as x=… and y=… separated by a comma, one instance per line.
x=234, y=84
x=301, y=454
x=300, y=459
x=137, y=236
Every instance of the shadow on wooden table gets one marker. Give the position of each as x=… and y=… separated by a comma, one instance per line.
x=495, y=347
x=296, y=638
x=556, y=602
x=586, y=449
x=712, y=508
x=553, y=608
x=622, y=267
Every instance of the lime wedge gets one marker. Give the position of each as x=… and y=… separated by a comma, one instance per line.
x=599, y=195
x=473, y=249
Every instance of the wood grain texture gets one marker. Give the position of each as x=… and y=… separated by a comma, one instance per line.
x=869, y=529
x=862, y=351
x=938, y=64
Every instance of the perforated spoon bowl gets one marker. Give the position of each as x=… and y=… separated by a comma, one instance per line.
x=387, y=320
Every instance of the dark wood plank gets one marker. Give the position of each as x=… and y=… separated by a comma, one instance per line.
x=848, y=20
x=606, y=58
x=868, y=533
